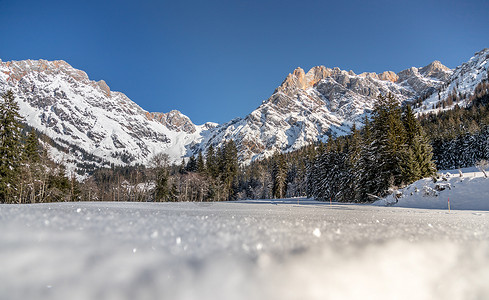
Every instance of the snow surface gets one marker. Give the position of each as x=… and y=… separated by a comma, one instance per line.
x=463, y=80
x=287, y=249
x=467, y=192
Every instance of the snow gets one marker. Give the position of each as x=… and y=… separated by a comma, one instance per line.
x=66, y=105
x=287, y=249
x=467, y=192
x=464, y=79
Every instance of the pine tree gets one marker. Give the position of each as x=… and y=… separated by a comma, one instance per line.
x=160, y=164
x=32, y=170
x=353, y=154
x=182, y=167
x=211, y=162
x=229, y=166
x=32, y=148
x=388, y=139
x=423, y=153
x=10, y=146
x=411, y=125
x=200, y=163
x=279, y=176
x=367, y=168
x=191, y=165
x=410, y=169
x=416, y=159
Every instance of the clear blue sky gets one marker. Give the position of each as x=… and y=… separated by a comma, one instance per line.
x=216, y=60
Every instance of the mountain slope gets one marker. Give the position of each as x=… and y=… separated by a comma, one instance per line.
x=462, y=82
x=306, y=107
x=71, y=109
x=67, y=106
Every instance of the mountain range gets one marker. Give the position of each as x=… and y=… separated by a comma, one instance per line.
x=88, y=123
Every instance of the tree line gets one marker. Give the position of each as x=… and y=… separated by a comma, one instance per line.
x=392, y=149
x=27, y=175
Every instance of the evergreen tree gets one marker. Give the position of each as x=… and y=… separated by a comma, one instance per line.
x=182, y=167
x=32, y=148
x=411, y=125
x=191, y=165
x=10, y=146
x=31, y=171
x=160, y=164
x=230, y=168
x=416, y=160
x=211, y=162
x=366, y=171
x=388, y=141
x=200, y=163
x=410, y=168
x=423, y=154
x=279, y=176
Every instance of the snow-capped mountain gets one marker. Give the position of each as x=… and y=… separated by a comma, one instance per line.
x=84, y=116
x=308, y=106
x=81, y=115
x=463, y=81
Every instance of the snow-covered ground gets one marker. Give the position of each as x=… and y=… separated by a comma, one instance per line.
x=465, y=189
x=287, y=249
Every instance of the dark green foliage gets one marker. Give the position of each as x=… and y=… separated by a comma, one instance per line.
x=228, y=167
x=10, y=147
x=390, y=151
x=160, y=168
x=211, y=162
x=279, y=176
x=200, y=163
x=388, y=137
x=191, y=165
x=459, y=136
x=32, y=150
x=367, y=163
x=416, y=161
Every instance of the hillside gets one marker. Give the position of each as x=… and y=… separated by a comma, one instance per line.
x=92, y=122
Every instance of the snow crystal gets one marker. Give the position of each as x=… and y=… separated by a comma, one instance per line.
x=264, y=252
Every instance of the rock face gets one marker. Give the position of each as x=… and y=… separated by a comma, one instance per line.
x=462, y=80
x=86, y=117
x=308, y=106
x=174, y=120
x=88, y=121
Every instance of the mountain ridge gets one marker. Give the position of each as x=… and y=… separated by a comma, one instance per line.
x=66, y=105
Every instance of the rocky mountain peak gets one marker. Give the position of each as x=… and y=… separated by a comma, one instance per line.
x=436, y=70
x=65, y=104
x=174, y=120
x=292, y=82
x=18, y=69
x=299, y=80
x=388, y=76
x=317, y=74
x=104, y=87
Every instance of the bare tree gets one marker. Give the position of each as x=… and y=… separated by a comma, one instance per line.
x=482, y=166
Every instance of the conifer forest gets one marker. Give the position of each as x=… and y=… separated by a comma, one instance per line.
x=391, y=149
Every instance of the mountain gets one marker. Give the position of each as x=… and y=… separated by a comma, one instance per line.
x=462, y=82
x=88, y=122
x=307, y=107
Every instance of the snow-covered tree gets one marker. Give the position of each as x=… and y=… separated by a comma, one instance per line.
x=10, y=147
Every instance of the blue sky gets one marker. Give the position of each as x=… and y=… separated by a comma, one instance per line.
x=216, y=60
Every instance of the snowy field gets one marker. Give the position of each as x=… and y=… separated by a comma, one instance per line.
x=241, y=250
x=465, y=189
